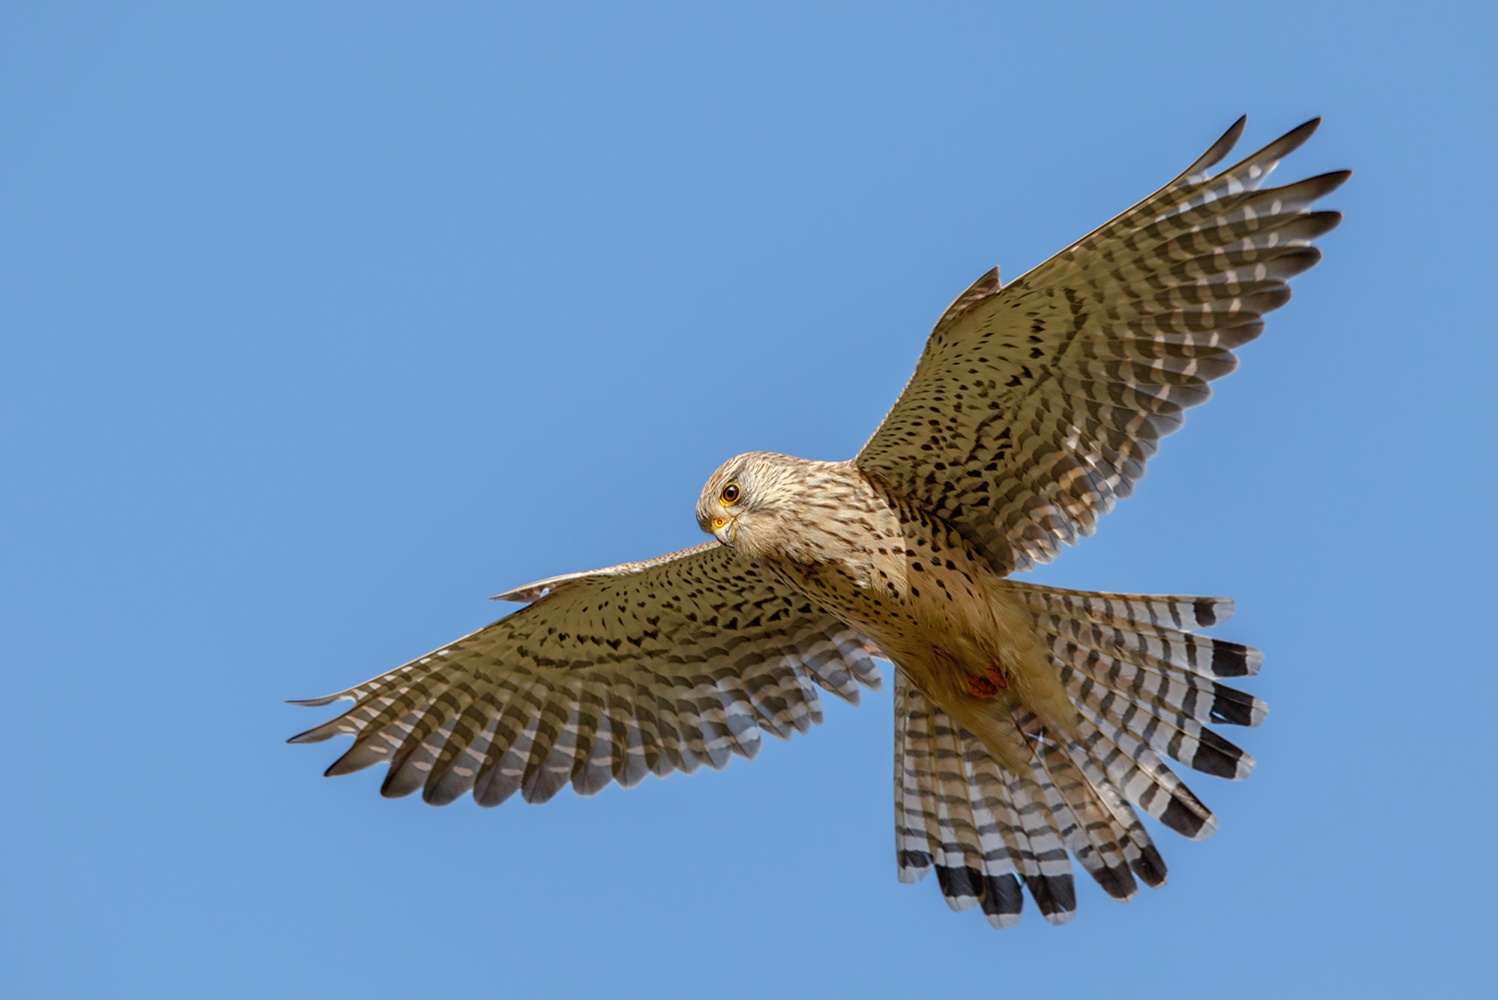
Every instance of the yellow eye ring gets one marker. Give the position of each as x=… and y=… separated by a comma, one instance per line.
x=730, y=495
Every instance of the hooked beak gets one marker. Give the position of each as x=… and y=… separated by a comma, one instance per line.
x=726, y=529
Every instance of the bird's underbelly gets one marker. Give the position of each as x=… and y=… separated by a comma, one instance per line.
x=961, y=646
x=959, y=634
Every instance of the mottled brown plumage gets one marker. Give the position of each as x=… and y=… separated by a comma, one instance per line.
x=1028, y=718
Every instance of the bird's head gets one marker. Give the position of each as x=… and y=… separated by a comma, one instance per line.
x=741, y=503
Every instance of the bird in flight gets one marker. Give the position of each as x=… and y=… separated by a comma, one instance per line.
x=1031, y=723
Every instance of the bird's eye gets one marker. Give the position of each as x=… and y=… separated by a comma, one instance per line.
x=730, y=495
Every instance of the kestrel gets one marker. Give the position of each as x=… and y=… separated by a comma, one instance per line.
x=1027, y=718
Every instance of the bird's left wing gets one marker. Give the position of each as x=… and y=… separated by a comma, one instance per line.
x=1034, y=406
x=609, y=675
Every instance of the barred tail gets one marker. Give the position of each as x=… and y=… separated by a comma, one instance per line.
x=1144, y=687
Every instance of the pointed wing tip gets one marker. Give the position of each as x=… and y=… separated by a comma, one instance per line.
x=320, y=732
x=1284, y=145
x=1234, y=132
x=1304, y=130
x=353, y=761
x=1219, y=149
x=326, y=699
x=1293, y=139
x=520, y=595
x=1335, y=179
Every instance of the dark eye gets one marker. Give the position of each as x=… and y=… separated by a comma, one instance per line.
x=730, y=495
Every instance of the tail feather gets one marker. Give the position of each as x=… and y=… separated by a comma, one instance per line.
x=915, y=825
x=1149, y=677
x=1137, y=674
x=1145, y=779
x=1149, y=629
x=1003, y=861
x=928, y=765
x=1174, y=735
x=1051, y=883
x=1032, y=853
x=1172, y=611
x=960, y=870
x=1143, y=686
x=1092, y=831
x=955, y=815
x=1139, y=849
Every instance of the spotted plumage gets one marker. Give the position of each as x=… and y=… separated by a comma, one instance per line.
x=1030, y=722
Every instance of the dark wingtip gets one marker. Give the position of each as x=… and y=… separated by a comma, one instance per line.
x=1233, y=134
x=308, y=736
x=1332, y=220
x=1294, y=139
x=1236, y=129
x=1219, y=149
x=433, y=793
x=389, y=788
x=1323, y=184
x=326, y=699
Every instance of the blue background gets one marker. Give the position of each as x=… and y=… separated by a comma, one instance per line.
x=321, y=322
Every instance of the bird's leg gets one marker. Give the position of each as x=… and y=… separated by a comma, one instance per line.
x=989, y=683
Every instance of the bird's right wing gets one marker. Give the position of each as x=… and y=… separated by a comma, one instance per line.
x=609, y=675
x=1036, y=405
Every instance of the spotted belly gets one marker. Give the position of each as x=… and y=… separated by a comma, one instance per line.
x=951, y=625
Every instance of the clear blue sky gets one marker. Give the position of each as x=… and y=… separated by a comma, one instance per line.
x=323, y=322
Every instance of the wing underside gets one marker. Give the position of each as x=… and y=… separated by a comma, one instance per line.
x=647, y=668
x=1034, y=407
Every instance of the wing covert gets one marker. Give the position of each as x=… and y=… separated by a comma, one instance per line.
x=1035, y=406
x=642, y=668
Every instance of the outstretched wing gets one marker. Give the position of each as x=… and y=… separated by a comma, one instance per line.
x=642, y=668
x=1034, y=407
